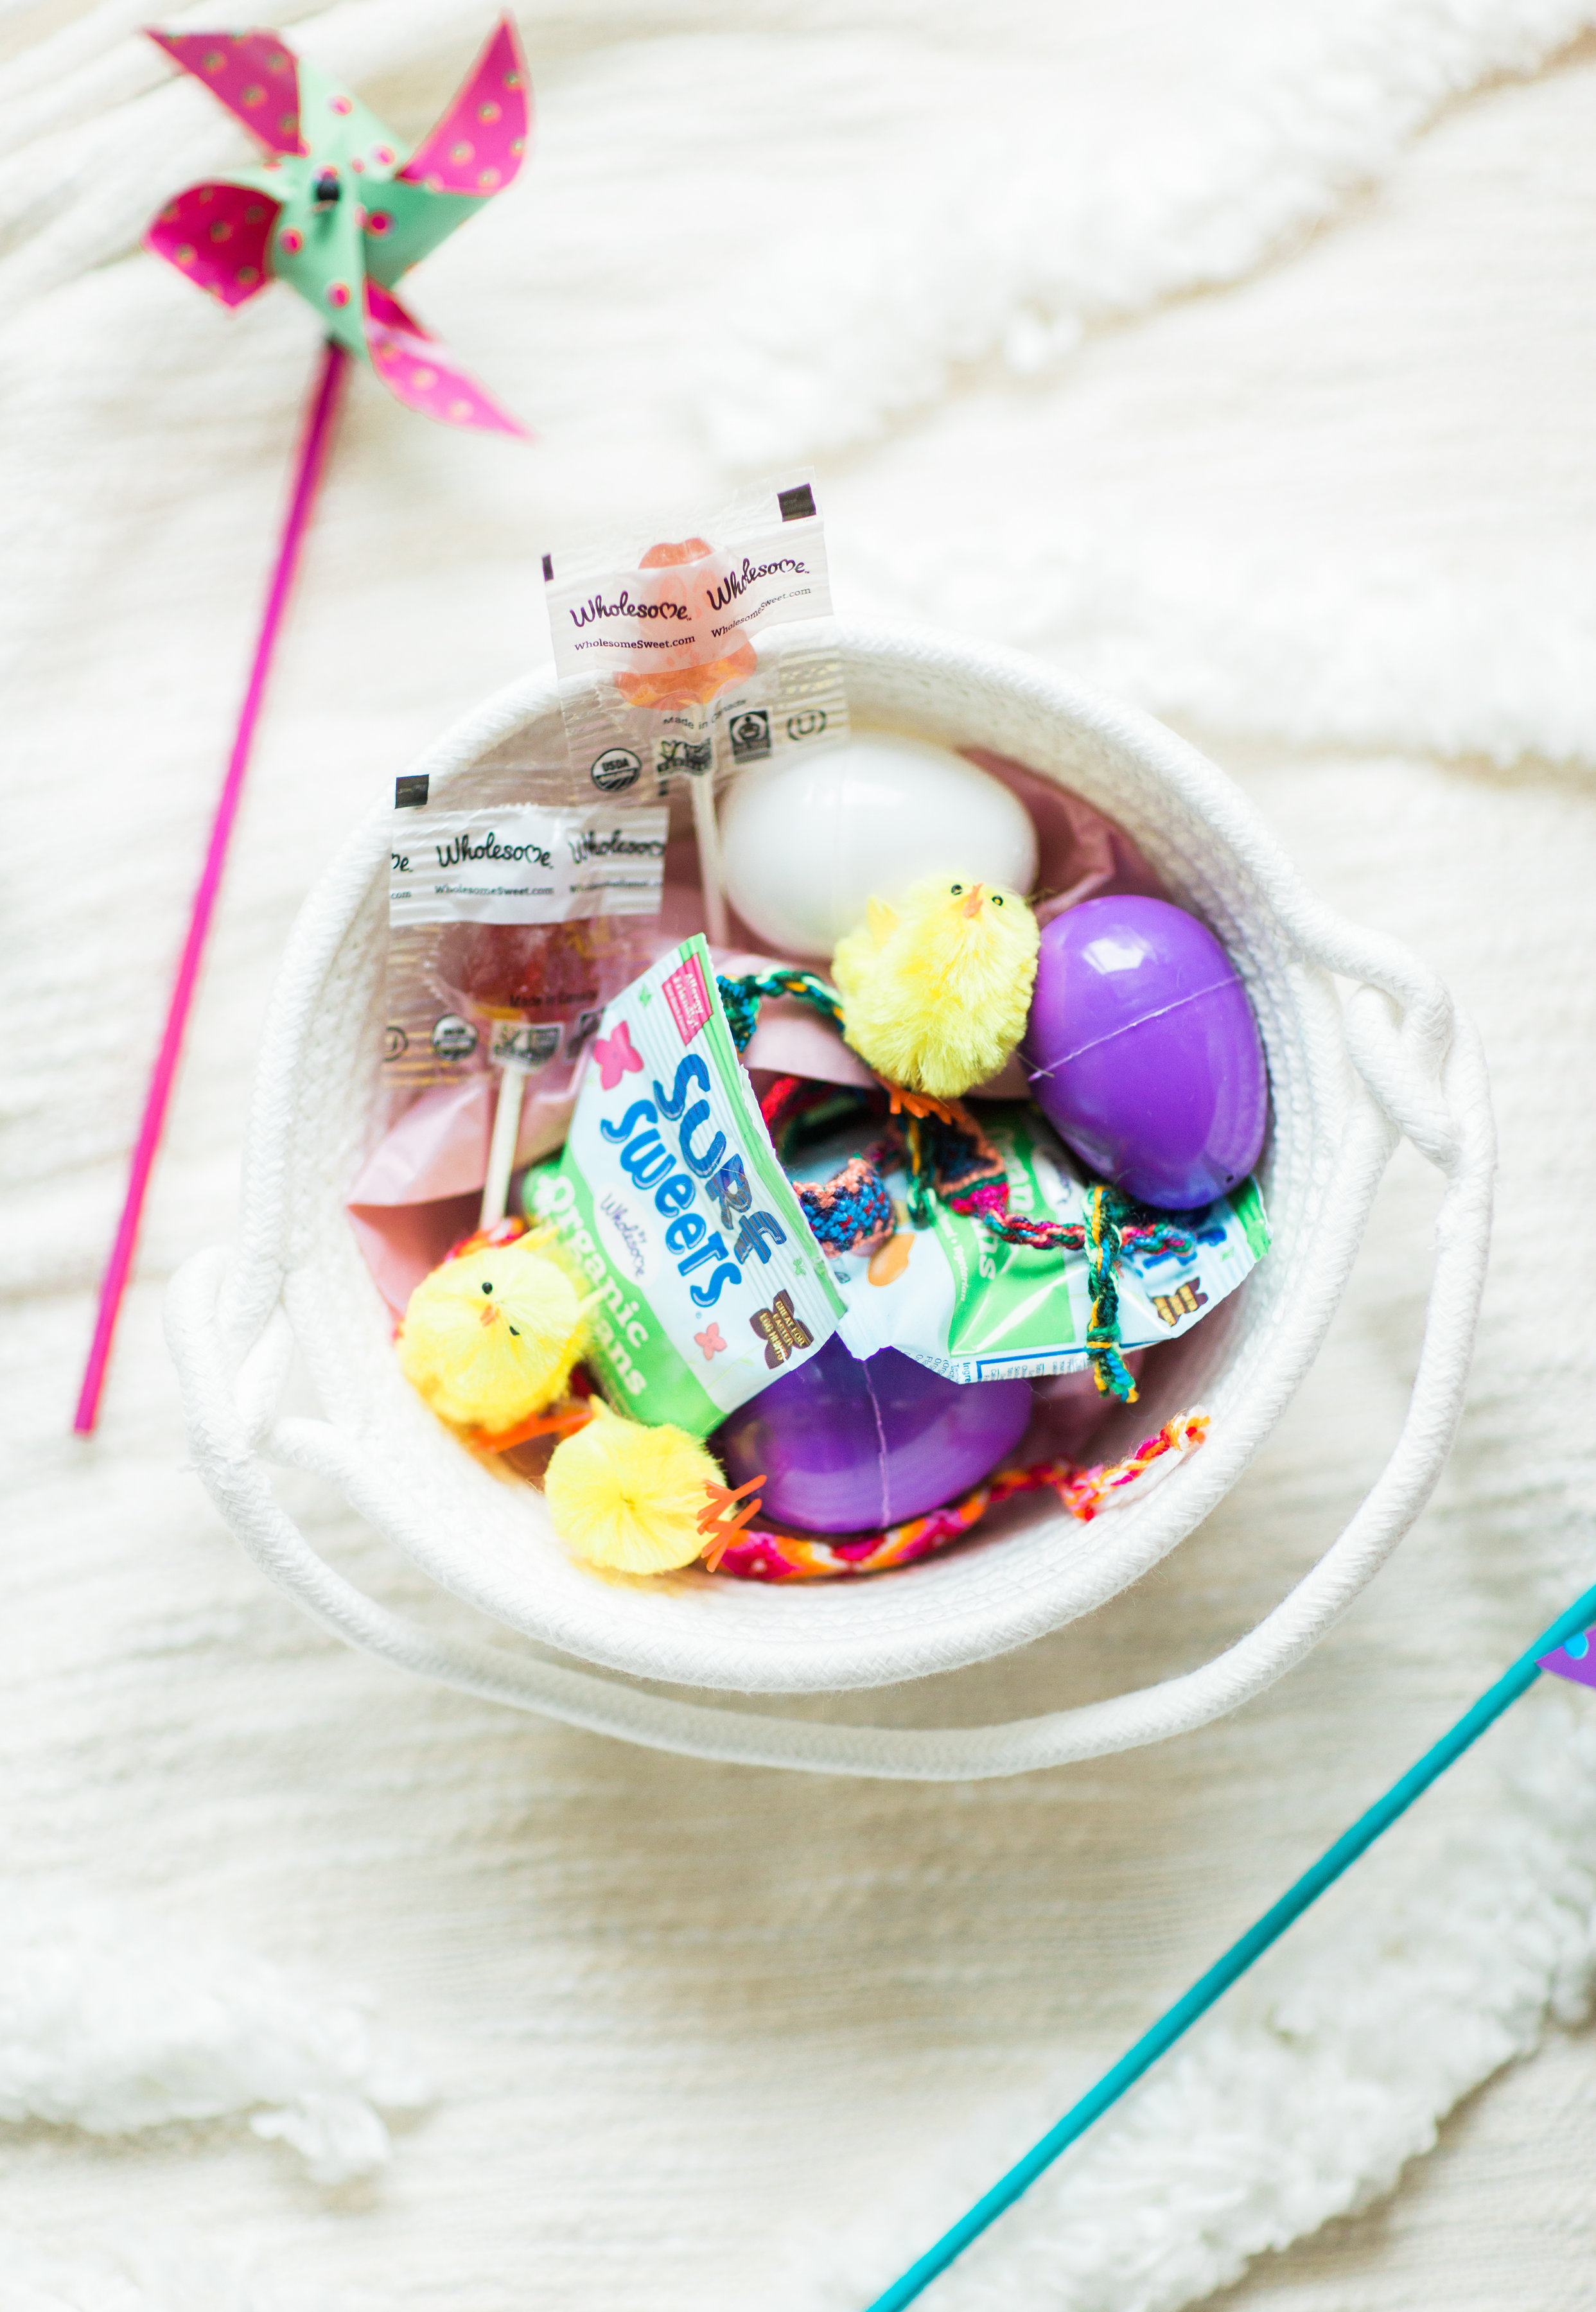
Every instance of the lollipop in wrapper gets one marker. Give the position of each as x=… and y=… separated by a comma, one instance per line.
x=690, y=680
x=544, y=987
x=657, y=664
x=685, y=681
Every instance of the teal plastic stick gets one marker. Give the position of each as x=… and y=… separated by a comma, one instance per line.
x=1177, y=2019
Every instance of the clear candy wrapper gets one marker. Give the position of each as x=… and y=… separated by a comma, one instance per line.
x=654, y=646
x=516, y=911
x=523, y=905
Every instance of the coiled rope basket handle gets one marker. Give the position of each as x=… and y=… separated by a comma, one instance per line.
x=1418, y=1071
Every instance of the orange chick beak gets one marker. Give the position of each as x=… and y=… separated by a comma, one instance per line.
x=972, y=905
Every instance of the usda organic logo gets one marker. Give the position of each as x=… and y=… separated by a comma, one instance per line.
x=616, y=769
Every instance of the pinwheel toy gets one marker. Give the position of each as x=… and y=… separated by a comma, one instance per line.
x=339, y=210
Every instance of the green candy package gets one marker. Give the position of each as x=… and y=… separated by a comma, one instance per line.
x=963, y=1302
x=670, y=1198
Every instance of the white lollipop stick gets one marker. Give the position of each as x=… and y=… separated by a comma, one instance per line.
x=500, y=1153
x=709, y=860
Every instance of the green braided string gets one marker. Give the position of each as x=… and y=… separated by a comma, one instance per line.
x=921, y=1199
x=1149, y=1234
x=741, y=999
x=1105, y=1211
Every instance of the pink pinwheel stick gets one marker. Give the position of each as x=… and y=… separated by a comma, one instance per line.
x=312, y=457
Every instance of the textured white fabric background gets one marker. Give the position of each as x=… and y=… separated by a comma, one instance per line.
x=1241, y=358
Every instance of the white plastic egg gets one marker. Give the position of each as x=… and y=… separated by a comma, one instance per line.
x=805, y=846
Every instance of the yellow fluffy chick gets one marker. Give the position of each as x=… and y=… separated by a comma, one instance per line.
x=935, y=992
x=490, y=1338
x=628, y=1497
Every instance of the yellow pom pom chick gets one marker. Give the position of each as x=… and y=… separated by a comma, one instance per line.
x=490, y=1338
x=935, y=991
x=636, y=1500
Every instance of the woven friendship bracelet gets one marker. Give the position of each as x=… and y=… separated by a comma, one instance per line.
x=851, y=1211
x=741, y=999
x=757, y=1554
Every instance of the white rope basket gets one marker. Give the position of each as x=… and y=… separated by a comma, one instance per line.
x=1346, y=1081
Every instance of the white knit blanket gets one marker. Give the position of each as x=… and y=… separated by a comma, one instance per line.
x=1239, y=357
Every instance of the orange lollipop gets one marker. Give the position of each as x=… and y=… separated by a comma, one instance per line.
x=698, y=681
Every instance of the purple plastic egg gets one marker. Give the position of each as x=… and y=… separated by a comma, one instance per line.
x=848, y=1445
x=1143, y=1051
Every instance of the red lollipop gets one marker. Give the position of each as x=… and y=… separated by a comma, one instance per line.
x=544, y=986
